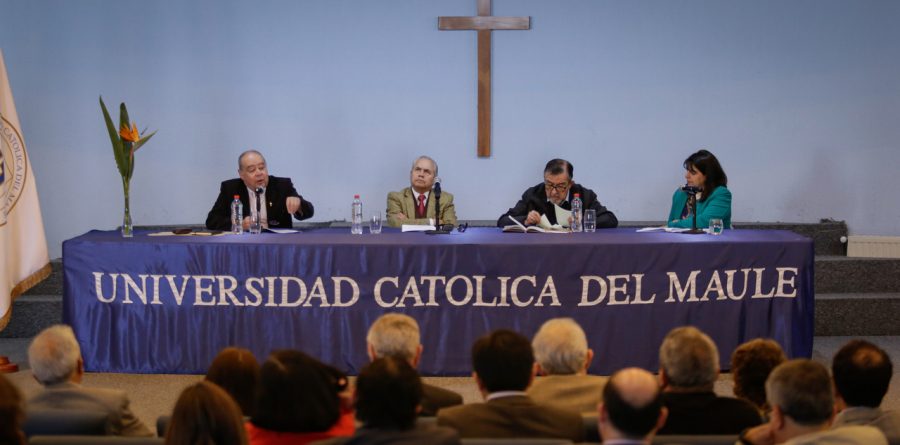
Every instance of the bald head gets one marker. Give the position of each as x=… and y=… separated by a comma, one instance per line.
x=632, y=404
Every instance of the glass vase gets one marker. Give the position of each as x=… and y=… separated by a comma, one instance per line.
x=127, y=227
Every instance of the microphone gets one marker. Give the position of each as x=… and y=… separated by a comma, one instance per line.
x=437, y=188
x=690, y=189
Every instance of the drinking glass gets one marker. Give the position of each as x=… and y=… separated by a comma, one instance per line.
x=716, y=226
x=375, y=223
x=590, y=220
x=255, y=224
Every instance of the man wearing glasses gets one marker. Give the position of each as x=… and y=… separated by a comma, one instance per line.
x=559, y=189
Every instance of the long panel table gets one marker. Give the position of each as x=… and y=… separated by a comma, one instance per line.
x=168, y=304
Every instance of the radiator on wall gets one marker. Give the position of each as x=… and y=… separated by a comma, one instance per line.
x=873, y=246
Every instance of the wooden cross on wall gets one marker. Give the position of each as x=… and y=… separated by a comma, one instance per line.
x=484, y=23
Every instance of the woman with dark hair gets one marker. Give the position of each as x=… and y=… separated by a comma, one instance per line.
x=11, y=414
x=236, y=371
x=299, y=401
x=206, y=415
x=751, y=364
x=704, y=175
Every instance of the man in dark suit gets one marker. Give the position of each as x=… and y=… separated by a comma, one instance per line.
x=688, y=370
x=55, y=360
x=504, y=367
x=387, y=396
x=397, y=335
x=559, y=189
x=280, y=201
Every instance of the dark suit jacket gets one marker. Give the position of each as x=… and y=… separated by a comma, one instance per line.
x=435, y=398
x=535, y=198
x=707, y=413
x=219, y=218
x=514, y=416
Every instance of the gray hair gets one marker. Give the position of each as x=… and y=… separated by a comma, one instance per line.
x=689, y=358
x=560, y=346
x=433, y=162
x=251, y=151
x=53, y=354
x=394, y=335
x=803, y=390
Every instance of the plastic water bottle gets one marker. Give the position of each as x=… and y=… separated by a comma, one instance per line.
x=356, y=225
x=577, y=214
x=237, y=216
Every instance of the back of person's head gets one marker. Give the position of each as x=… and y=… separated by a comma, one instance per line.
x=705, y=162
x=388, y=393
x=54, y=354
x=751, y=364
x=297, y=393
x=503, y=361
x=12, y=414
x=633, y=402
x=237, y=372
x=801, y=389
x=862, y=373
x=689, y=359
x=206, y=415
x=394, y=335
x=557, y=166
x=560, y=347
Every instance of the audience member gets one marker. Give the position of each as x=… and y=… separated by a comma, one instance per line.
x=689, y=367
x=55, y=360
x=862, y=374
x=632, y=408
x=298, y=402
x=751, y=364
x=206, y=415
x=11, y=414
x=800, y=394
x=237, y=372
x=388, y=392
x=504, y=368
x=563, y=357
x=397, y=335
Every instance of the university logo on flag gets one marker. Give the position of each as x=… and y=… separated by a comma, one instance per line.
x=23, y=248
x=13, y=168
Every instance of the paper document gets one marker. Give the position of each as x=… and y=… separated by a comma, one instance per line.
x=416, y=227
x=662, y=229
x=562, y=216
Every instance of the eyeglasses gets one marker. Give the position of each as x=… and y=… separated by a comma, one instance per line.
x=558, y=187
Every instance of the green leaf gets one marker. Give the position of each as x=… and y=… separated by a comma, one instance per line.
x=121, y=160
x=142, y=141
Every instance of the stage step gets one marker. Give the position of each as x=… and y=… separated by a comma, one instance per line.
x=840, y=274
x=857, y=314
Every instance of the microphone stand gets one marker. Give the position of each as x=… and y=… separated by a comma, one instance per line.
x=692, y=202
x=438, y=229
x=258, y=192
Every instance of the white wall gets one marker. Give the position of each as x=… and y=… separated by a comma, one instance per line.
x=799, y=99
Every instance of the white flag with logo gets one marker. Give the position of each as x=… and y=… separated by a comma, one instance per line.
x=24, y=261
